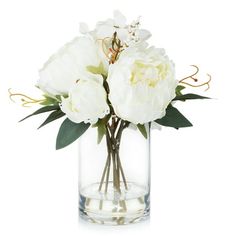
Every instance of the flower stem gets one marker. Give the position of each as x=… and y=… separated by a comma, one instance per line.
x=103, y=174
x=122, y=173
x=113, y=139
x=108, y=172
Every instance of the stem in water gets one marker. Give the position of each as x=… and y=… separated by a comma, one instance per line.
x=113, y=139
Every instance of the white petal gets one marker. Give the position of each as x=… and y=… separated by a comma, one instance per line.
x=83, y=28
x=104, y=31
x=122, y=34
x=144, y=34
x=119, y=19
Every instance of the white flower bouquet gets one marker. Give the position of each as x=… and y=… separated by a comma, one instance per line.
x=110, y=79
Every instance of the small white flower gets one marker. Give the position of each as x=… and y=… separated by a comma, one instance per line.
x=68, y=65
x=142, y=84
x=86, y=102
x=107, y=28
x=127, y=33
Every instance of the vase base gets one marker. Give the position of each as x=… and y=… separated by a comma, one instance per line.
x=114, y=208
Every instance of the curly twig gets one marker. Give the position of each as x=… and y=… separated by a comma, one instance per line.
x=192, y=77
x=26, y=100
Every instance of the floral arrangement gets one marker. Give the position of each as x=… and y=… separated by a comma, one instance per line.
x=108, y=79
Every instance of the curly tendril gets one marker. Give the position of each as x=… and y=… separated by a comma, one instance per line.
x=104, y=48
x=115, y=48
x=194, y=79
x=26, y=100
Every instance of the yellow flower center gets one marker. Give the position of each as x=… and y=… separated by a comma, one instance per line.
x=148, y=73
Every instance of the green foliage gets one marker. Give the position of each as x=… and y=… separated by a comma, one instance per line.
x=49, y=101
x=97, y=69
x=42, y=110
x=101, y=126
x=173, y=118
x=69, y=132
x=142, y=130
x=188, y=96
x=178, y=90
x=53, y=116
x=101, y=132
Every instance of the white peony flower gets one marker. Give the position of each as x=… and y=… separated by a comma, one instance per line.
x=142, y=84
x=87, y=102
x=68, y=65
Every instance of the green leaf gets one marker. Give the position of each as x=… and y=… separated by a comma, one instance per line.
x=69, y=132
x=101, y=126
x=188, y=96
x=53, y=116
x=173, y=118
x=49, y=101
x=178, y=90
x=42, y=110
x=101, y=131
x=142, y=130
x=97, y=69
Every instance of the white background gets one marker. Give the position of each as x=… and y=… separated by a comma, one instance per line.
x=193, y=170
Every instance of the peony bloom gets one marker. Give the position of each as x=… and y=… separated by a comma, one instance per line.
x=68, y=65
x=142, y=84
x=87, y=102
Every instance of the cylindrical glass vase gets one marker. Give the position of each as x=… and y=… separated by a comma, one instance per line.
x=114, y=175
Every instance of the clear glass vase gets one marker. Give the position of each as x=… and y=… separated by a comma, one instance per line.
x=114, y=175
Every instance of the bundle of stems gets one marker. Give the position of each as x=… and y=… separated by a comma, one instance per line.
x=114, y=131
